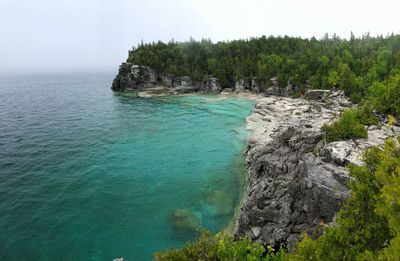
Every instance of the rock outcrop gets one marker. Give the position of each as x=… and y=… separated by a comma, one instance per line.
x=149, y=82
x=252, y=85
x=143, y=78
x=296, y=182
x=317, y=94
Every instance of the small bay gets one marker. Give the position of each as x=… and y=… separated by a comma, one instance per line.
x=88, y=174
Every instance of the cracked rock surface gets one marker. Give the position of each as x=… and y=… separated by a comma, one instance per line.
x=295, y=180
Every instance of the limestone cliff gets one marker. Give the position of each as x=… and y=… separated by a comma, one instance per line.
x=296, y=182
x=143, y=78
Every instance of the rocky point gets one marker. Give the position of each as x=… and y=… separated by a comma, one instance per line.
x=296, y=181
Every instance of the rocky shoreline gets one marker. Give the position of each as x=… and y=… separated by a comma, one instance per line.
x=297, y=181
x=148, y=82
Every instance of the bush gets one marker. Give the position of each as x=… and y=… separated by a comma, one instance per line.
x=366, y=115
x=348, y=126
x=220, y=247
x=368, y=226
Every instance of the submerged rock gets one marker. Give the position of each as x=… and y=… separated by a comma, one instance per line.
x=185, y=221
x=221, y=201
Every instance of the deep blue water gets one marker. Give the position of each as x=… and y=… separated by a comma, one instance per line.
x=88, y=174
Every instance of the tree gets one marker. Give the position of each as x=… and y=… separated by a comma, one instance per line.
x=368, y=226
x=333, y=78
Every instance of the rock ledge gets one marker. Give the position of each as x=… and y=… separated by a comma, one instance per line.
x=296, y=182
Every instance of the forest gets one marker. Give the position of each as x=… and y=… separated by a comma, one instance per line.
x=361, y=66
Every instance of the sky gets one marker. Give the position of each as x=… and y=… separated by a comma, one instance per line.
x=95, y=35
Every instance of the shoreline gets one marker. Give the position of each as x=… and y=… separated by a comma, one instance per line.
x=280, y=153
x=152, y=93
x=295, y=179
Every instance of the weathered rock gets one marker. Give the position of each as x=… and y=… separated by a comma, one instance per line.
x=274, y=88
x=183, y=89
x=252, y=85
x=226, y=91
x=295, y=180
x=290, y=89
x=341, y=152
x=142, y=78
x=210, y=84
x=186, y=81
x=124, y=79
x=241, y=85
x=167, y=81
x=316, y=94
x=290, y=190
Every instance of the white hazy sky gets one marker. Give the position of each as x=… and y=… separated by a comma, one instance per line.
x=90, y=35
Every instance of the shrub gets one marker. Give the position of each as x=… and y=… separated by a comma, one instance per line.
x=366, y=116
x=221, y=247
x=368, y=226
x=348, y=126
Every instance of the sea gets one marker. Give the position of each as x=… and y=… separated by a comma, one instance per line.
x=90, y=174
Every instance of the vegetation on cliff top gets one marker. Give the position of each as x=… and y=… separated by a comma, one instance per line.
x=368, y=226
x=352, y=65
x=348, y=126
x=220, y=247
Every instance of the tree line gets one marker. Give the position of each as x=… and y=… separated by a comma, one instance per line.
x=353, y=65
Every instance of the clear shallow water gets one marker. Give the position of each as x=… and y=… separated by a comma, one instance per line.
x=88, y=174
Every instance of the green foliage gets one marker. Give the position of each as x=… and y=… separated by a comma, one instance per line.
x=220, y=247
x=348, y=126
x=385, y=97
x=368, y=226
x=366, y=115
x=333, y=78
x=350, y=65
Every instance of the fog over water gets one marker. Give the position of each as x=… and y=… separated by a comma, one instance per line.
x=94, y=35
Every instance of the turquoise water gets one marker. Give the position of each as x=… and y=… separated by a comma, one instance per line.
x=88, y=174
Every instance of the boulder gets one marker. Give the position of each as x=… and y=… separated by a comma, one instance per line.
x=316, y=94
x=340, y=152
x=227, y=91
x=186, y=81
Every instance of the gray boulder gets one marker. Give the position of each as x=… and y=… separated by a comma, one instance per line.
x=316, y=94
x=186, y=81
x=227, y=91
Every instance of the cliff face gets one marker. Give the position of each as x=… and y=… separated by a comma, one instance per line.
x=295, y=180
x=134, y=77
x=143, y=78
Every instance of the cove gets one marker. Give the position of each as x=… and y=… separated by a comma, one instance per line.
x=87, y=174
